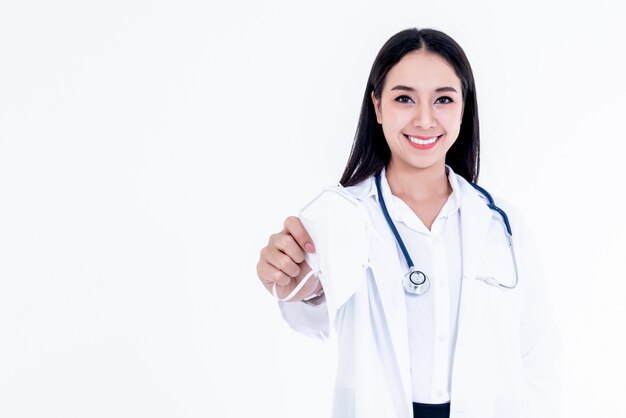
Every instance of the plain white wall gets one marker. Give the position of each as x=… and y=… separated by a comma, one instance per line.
x=149, y=148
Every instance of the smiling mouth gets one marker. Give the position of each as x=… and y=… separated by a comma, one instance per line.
x=423, y=141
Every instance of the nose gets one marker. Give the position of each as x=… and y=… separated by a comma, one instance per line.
x=424, y=117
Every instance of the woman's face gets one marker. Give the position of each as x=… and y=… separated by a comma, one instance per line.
x=420, y=109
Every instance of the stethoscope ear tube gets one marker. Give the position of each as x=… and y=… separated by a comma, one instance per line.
x=491, y=204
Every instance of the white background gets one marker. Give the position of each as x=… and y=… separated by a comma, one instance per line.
x=149, y=148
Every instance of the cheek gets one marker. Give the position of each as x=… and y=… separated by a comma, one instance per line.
x=395, y=117
x=450, y=120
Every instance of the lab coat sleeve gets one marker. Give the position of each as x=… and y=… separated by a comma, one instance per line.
x=338, y=226
x=540, y=336
x=310, y=320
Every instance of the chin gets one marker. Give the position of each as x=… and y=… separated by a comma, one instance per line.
x=418, y=165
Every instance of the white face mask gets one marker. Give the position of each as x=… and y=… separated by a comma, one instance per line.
x=338, y=225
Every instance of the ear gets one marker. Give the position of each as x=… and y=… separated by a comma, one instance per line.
x=377, y=108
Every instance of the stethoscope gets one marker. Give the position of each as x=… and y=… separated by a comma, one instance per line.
x=415, y=281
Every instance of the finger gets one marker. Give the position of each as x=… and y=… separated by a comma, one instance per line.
x=268, y=274
x=283, y=262
x=294, y=227
x=288, y=245
x=273, y=256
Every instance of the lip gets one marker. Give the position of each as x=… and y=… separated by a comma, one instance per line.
x=420, y=146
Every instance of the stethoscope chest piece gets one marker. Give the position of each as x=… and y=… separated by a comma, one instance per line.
x=416, y=282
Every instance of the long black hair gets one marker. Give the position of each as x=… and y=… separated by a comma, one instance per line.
x=370, y=152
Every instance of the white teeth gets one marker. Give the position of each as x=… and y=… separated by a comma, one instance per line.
x=422, y=141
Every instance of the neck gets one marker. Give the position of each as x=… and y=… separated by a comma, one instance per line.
x=418, y=183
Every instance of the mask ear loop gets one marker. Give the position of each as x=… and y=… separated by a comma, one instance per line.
x=294, y=291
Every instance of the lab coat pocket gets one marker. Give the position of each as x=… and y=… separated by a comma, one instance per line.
x=502, y=305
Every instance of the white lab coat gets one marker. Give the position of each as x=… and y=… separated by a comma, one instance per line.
x=506, y=359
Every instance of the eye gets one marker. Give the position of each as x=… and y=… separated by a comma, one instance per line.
x=404, y=99
x=444, y=100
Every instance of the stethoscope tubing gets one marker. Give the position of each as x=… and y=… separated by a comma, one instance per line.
x=392, y=226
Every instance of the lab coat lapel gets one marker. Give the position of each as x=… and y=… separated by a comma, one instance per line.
x=388, y=274
x=475, y=219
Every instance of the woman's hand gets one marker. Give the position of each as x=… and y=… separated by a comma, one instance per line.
x=282, y=261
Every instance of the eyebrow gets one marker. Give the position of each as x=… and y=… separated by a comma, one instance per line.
x=438, y=90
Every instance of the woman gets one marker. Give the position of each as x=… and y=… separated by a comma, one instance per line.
x=436, y=314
